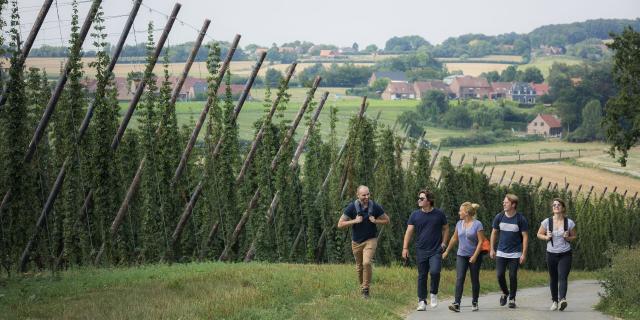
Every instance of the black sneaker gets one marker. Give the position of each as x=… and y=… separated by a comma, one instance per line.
x=455, y=307
x=365, y=293
x=512, y=303
x=503, y=300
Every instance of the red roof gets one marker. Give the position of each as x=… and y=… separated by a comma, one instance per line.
x=399, y=87
x=501, y=86
x=540, y=88
x=551, y=120
x=424, y=86
x=472, y=82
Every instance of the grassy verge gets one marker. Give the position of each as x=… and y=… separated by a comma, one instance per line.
x=621, y=284
x=225, y=291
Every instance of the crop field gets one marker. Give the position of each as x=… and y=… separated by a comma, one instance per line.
x=561, y=173
x=475, y=68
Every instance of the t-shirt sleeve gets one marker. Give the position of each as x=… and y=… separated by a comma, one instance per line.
x=350, y=211
x=572, y=224
x=479, y=226
x=378, y=210
x=524, y=224
x=545, y=224
x=411, y=219
x=443, y=218
x=496, y=223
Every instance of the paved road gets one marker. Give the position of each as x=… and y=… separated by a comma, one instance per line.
x=533, y=303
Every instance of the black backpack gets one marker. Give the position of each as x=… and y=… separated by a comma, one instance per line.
x=550, y=226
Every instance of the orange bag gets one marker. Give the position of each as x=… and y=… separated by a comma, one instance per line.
x=485, y=246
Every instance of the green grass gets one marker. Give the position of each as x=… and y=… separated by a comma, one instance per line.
x=226, y=291
x=188, y=113
x=544, y=63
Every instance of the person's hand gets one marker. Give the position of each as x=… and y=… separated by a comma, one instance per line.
x=372, y=219
x=445, y=254
x=492, y=254
x=522, y=259
x=565, y=234
x=358, y=219
x=405, y=254
x=473, y=259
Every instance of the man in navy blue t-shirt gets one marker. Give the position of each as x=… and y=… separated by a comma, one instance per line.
x=512, y=228
x=363, y=215
x=432, y=232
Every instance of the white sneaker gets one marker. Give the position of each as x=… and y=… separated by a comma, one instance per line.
x=434, y=300
x=554, y=306
x=422, y=306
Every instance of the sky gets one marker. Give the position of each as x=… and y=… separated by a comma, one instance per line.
x=339, y=22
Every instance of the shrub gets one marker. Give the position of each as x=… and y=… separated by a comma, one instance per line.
x=620, y=283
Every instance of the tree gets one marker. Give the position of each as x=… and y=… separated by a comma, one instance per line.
x=432, y=106
x=591, y=127
x=272, y=78
x=355, y=46
x=532, y=74
x=371, y=48
x=509, y=74
x=379, y=85
x=622, y=112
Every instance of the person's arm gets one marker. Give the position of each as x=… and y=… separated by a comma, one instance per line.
x=525, y=244
x=382, y=219
x=452, y=242
x=407, y=238
x=492, y=240
x=345, y=221
x=476, y=253
x=572, y=234
x=445, y=235
x=542, y=233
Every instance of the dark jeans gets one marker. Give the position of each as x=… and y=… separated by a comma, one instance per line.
x=428, y=265
x=559, y=265
x=462, y=264
x=501, y=266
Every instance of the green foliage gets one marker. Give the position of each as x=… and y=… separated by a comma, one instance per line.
x=406, y=43
x=619, y=281
x=621, y=112
x=486, y=137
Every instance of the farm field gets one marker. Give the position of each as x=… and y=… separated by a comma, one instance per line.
x=561, y=173
x=493, y=57
x=475, y=68
x=544, y=63
x=198, y=69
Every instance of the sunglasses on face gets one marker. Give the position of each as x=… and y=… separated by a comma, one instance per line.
x=421, y=199
x=556, y=205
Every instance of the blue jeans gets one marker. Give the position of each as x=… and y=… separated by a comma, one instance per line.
x=428, y=265
x=462, y=264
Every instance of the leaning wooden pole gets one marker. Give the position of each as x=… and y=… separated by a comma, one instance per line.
x=26, y=46
x=186, y=213
x=55, y=190
x=44, y=121
x=203, y=114
x=343, y=180
x=224, y=256
x=133, y=187
x=149, y=68
x=258, y=138
x=57, y=92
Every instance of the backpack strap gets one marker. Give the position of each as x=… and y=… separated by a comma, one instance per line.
x=550, y=228
x=566, y=224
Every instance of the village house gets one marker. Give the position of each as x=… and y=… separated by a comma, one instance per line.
x=500, y=90
x=523, y=93
x=540, y=88
x=392, y=76
x=546, y=125
x=469, y=87
x=398, y=90
x=422, y=87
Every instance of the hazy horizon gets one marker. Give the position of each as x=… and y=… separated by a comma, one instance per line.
x=328, y=22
